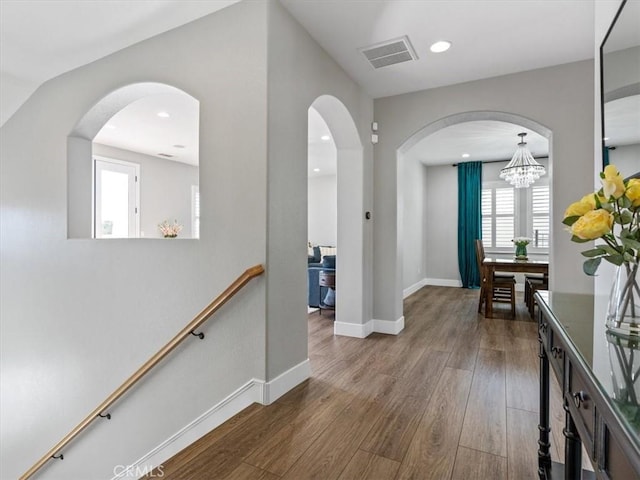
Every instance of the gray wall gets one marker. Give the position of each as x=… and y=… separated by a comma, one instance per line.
x=413, y=210
x=559, y=98
x=165, y=189
x=299, y=72
x=441, y=228
x=626, y=158
x=323, y=210
x=79, y=316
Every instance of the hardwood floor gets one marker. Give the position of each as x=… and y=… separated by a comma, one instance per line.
x=454, y=396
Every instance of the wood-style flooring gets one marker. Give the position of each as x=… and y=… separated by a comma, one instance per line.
x=452, y=397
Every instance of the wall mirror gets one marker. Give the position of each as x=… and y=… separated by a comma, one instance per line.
x=133, y=166
x=620, y=83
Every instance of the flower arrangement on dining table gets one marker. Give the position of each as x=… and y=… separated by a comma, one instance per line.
x=521, y=246
x=170, y=230
x=612, y=214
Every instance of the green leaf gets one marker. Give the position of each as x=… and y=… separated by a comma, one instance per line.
x=591, y=266
x=625, y=217
x=609, y=249
x=579, y=240
x=630, y=243
x=571, y=220
x=615, y=259
x=596, y=252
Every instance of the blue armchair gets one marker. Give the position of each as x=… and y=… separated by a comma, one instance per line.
x=316, y=293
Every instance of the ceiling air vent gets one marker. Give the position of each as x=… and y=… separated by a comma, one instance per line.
x=390, y=52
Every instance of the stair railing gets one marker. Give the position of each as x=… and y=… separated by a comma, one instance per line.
x=186, y=332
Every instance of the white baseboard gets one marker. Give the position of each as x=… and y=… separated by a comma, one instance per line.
x=389, y=327
x=442, y=282
x=357, y=330
x=273, y=390
x=413, y=288
x=254, y=391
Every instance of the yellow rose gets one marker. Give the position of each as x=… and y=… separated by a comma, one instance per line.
x=579, y=208
x=592, y=225
x=612, y=183
x=633, y=191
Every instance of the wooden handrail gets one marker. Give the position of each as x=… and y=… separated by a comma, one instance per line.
x=199, y=319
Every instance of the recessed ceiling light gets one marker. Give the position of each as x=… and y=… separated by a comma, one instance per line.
x=177, y=145
x=163, y=114
x=316, y=169
x=465, y=155
x=441, y=46
x=325, y=138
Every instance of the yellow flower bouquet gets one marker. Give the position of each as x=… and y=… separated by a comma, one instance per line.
x=612, y=214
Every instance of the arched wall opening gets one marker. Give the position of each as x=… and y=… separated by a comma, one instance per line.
x=404, y=154
x=134, y=156
x=349, y=313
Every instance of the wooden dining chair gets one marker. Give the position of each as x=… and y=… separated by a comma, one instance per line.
x=533, y=283
x=504, y=285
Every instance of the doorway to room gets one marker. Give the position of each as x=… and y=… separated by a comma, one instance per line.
x=342, y=255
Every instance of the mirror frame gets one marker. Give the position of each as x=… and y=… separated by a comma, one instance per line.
x=602, y=45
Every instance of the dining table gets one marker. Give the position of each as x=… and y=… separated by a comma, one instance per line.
x=512, y=265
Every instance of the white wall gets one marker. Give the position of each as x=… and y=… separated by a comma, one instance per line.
x=559, y=98
x=323, y=210
x=165, y=189
x=413, y=211
x=79, y=316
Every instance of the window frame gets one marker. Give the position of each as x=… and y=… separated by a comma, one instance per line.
x=523, y=214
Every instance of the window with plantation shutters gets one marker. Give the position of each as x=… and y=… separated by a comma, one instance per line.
x=498, y=216
x=539, y=225
x=509, y=212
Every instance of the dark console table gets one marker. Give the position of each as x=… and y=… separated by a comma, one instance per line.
x=598, y=372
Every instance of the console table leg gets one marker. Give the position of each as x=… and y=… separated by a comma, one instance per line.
x=572, y=448
x=544, y=458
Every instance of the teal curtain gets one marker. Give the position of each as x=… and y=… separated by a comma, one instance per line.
x=469, y=221
x=605, y=156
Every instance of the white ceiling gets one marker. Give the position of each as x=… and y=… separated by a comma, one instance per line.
x=322, y=155
x=40, y=39
x=482, y=140
x=489, y=38
x=138, y=128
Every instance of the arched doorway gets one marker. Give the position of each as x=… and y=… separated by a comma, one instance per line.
x=350, y=297
x=405, y=157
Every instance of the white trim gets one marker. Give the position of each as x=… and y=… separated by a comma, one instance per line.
x=273, y=390
x=357, y=330
x=247, y=394
x=442, y=282
x=413, y=288
x=389, y=327
x=254, y=391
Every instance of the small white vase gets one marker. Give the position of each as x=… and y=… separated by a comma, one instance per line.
x=623, y=313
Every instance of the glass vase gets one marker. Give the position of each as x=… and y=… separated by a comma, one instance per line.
x=624, y=358
x=623, y=312
x=521, y=250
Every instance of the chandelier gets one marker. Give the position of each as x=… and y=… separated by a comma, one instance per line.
x=522, y=170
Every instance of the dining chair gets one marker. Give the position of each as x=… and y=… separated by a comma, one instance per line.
x=533, y=283
x=504, y=285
